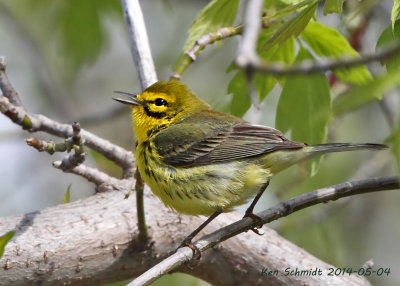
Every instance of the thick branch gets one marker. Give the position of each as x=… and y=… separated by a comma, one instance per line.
x=97, y=237
x=281, y=210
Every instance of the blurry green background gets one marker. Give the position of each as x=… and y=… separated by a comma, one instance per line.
x=65, y=58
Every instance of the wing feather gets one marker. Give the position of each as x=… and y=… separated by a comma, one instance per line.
x=200, y=141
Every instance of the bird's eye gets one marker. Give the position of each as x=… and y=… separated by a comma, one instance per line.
x=160, y=102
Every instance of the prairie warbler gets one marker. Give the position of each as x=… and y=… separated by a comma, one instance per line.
x=199, y=161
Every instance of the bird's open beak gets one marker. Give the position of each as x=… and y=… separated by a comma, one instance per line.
x=133, y=100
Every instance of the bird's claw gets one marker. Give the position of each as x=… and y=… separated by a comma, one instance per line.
x=194, y=248
x=254, y=217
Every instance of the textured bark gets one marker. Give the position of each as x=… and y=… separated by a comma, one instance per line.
x=92, y=241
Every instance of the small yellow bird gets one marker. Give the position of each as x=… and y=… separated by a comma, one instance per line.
x=199, y=161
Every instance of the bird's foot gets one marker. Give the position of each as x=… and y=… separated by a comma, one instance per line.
x=188, y=242
x=254, y=217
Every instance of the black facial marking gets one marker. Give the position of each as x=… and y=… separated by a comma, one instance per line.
x=157, y=115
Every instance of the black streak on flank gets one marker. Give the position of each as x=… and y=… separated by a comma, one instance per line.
x=179, y=195
x=165, y=190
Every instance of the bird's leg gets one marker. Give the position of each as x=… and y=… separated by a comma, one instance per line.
x=249, y=211
x=188, y=239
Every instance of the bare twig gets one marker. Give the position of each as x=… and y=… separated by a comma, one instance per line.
x=252, y=26
x=282, y=209
x=38, y=122
x=139, y=187
x=139, y=42
x=5, y=85
x=102, y=180
x=200, y=44
x=322, y=65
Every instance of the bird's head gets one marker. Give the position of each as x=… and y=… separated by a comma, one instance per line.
x=160, y=105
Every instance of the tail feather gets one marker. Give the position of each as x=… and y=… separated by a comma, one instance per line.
x=340, y=147
x=283, y=159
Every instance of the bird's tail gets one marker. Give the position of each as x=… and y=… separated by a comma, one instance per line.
x=340, y=147
x=282, y=159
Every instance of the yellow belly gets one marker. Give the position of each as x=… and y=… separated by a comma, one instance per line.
x=201, y=190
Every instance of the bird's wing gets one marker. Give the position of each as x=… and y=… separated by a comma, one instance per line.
x=202, y=141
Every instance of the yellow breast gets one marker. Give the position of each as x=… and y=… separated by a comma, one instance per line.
x=200, y=190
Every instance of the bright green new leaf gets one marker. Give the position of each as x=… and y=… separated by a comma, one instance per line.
x=358, y=96
x=328, y=42
x=4, y=240
x=217, y=14
x=387, y=37
x=304, y=107
x=263, y=83
x=333, y=6
x=395, y=12
x=292, y=27
x=238, y=87
x=66, y=198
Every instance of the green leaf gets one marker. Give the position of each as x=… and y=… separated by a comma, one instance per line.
x=4, y=240
x=66, y=198
x=292, y=27
x=395, y=12
x=217, y=14
x=333, y=6
x=328, y=42
x=238, y=87
x=358, y=96
x=304, y=107
x=263, y=83
x=389, y=36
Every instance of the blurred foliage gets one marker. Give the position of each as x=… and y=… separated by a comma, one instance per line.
x=67, y=195
x=75, y=25
x=333, y=6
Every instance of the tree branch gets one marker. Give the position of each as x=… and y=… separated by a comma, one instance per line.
x=281, y=210
x=38, y=122
x=248, y=59
x=322, y=65
x=94, y=241
x=139, y=42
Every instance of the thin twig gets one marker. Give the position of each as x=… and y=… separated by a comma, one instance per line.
x=102, y=180
x=320, y=66
x=252, y=26
x=280, y=210
x=139, y=42
x=5, y=85
x=38, y=122
x=204, y=41
x=139, y=186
